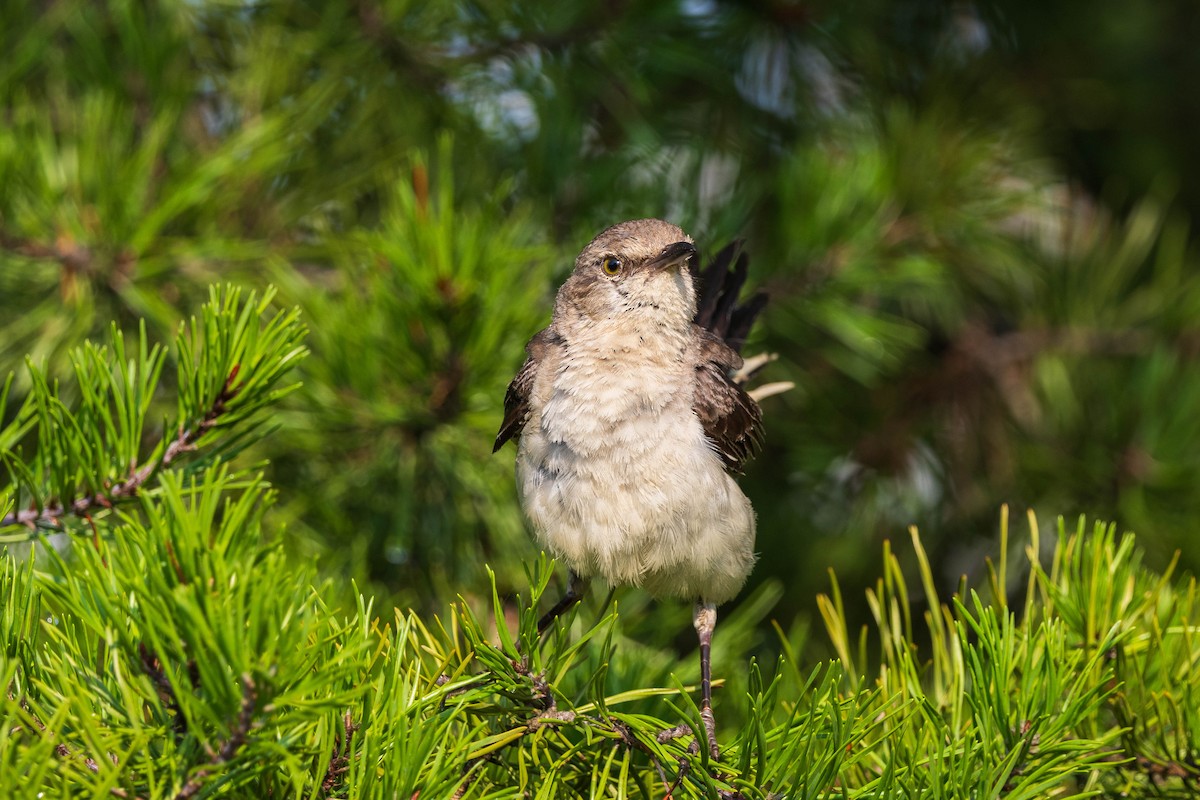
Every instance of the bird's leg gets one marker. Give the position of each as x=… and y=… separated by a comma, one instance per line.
x=576, y=586
x=704, y=618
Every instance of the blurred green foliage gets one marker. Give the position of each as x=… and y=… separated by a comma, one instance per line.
x=967, y=321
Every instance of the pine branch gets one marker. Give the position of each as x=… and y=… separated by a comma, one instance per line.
x=66, y=252
x=1007, y=703
x=166, y=691
x=121, y=794
x=230, y=747
x=230, y=360
x=339, y=763
x=184, y=441
x=61, y=749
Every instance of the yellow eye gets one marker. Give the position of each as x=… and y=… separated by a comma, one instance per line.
x=611, y=265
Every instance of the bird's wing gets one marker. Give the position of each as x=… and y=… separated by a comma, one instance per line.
x=717, y=307
x=732, y=420
x=516, y=399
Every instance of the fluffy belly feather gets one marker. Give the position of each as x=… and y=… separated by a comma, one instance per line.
x=636, y=496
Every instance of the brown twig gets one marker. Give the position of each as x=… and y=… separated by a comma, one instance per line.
x=471, y=772
x=72, y=256
x=153, y=668
x=64, y=752
x=546, y=713
x=551, y=715
x=230, y=747
x=340, y=762
x=1158, y=771
x=184, y=441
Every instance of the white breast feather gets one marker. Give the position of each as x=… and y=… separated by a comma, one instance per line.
x=620, y=482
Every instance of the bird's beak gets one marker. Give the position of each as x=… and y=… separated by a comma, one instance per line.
x=673, y=255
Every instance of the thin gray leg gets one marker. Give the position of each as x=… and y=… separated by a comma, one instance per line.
x=704, y=618
x=576, y=587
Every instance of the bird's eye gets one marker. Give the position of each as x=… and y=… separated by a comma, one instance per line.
x=611, y=265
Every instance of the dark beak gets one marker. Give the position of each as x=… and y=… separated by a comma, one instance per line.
x=673, y=255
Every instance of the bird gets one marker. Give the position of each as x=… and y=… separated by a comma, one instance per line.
x=631, y=422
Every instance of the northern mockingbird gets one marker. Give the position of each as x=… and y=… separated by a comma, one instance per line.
x=631, y=421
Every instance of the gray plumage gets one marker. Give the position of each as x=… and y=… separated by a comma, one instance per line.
x=629, y=422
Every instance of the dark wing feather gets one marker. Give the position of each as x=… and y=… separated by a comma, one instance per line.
x=731, y=419
x=742, y=319
x=709, y=283
x=717, y=307
x=516, y=399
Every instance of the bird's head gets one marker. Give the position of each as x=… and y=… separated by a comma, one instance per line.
x=641, y=268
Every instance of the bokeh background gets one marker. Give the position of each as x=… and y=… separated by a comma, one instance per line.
x=975, y=221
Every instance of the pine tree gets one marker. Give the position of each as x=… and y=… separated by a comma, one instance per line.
x=964, y=324
x=157, y=641
x=972, y=311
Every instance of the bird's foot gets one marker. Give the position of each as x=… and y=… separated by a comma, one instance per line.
x=710, y=728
